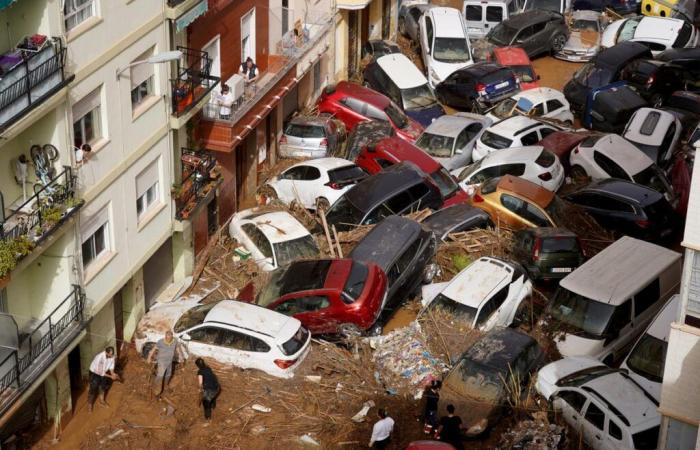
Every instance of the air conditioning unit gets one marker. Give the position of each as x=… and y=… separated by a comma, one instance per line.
x=237, y=85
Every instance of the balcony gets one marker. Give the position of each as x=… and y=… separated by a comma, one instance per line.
x=200, y=177
x=222, y=132
x=27, y=353
x=30, y=75
x=185, y=11
x=192, y=87
x=33, y=220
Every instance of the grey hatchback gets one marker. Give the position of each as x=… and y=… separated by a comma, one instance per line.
x=310, y=137
x=535, y=31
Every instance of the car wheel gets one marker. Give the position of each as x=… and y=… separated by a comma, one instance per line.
x=558, y=43
x=375, y=330
x=402, y=26
x=266, y=194
x=349, y=331
x=322, y=204
x=146, y=349
x=578, y=175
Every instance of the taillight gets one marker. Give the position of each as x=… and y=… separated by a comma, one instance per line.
x=283, y=139
x=481, y=88
x=642, y=223
x=536, y=250
x=545, y=176
x=334, y=185
x=477, y=198
x=324, y=143
x=651, y=80
x=285, y=363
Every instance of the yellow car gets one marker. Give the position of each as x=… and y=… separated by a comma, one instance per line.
x=516, y=203
x=681, y=9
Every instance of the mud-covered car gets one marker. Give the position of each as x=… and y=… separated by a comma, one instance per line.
x=455, y=219
x=547, y=253
x=480, y=383
x=363, y=135
x=231, y=332
x=584, y=40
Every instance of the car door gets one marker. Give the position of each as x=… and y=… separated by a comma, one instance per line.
x=556, y=110
x=614, y=436
x=530, y=138
x=607, y=168
x=571, y=403
x=285, y=183
x=620, y=332
x=594, y=424
x=202, y=341
x=243, y=350
x=491, y=313
x=311, y=309
x=259, y=246
x=524, y=40
x=510, y=212
x=306, y=187
x=495, y=14
x=351, y=111
x=473, y=13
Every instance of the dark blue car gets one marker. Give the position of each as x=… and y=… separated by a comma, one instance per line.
x=478, y=87
x=608, y=108
x=619, y=6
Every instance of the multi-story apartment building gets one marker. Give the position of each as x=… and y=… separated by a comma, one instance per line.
x=680, y=393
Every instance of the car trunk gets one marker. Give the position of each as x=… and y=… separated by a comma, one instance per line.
x=557, y=255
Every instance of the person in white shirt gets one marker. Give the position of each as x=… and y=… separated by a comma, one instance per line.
x=381, y=432
x=101, y=375
x=225, y=101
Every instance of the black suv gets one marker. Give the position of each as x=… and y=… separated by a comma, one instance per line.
x=477, y=87
x=655, y=80
x=403, y=249
x=535, y=31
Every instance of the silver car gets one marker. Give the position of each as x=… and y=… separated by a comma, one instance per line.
x=409, y=14
x=309, y=137
x=584, y=40
x=450, y=139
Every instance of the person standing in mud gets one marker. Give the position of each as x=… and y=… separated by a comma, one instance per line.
x=450, y=429
x=101, y=376
x=208, y=387
x=432, y=397
x=166, y=348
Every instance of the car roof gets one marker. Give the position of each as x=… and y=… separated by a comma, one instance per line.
x=633, y=130
x=325, y=164
x=277, y=226
x=638, y=193
x=616, y=273
x=481, y=68
x=620, y=54
x=623, y=152
x=402, y=71
x=499, y=348
x=448, y=22
x=540, y=94
x=251, y=317
x=627, y=397
x=511, y=126
x=512, y=155
x=585, y=14
x=362, y=93
x=403, y=150
x=449, y=125
x=527, y=18
x=376, y=188
x=386, y=241
x=444, y=220
x=511, y=56
x=546, y=232
x=527, y=189
x=310, y=120
x=477, y=282
x=658, y=28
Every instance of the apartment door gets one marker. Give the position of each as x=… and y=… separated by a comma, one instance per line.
x=213, y=49
x=248, y=36
x=75, y=375
x=158, y=273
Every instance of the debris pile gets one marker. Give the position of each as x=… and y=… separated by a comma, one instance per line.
x=467, y=246
x=535, y=434
x=447, y=337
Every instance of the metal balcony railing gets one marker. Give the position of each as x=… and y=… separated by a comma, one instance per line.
x=197, y=167
x=28, y=77
x=29, y=218
x=193, y=81
x=38, y=348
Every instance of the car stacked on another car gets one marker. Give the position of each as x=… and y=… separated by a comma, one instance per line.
x=309, y=137
x=658, y=33
x=444, y=43
x=655, y=132
x=455, y=219
x=376, y=48
x=477, y=87
x=610, y=107
x=451, y=138
x=516, y=59
x=536, y=31
x=364, y=134
x=515, y=131
x=410, y=13
x=547, y=103
x=584, y=41
x=547, y=253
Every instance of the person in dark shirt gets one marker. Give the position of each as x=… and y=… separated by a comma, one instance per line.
x=450, y=429
x=208, y=386
x=432, y=397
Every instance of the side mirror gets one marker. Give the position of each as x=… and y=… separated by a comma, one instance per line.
x=185, y=337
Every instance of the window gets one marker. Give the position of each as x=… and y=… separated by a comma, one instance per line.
x=375, y=113
x=429, y=31
x=86, y=119
x=538, y=27
x=473, y=12
x=295, y=173
x=595, y=416
x=649, y=123
x=205, y=335
x=96, y=245
x=492, y=305
x=530, y=139
x=609, y=166
x=141, y=76
x=399, y=202
x=355, y=105
x=147, y=189
x=141, y=92
x=537, y=110
x=258, y=239
x=533, y=214
x=418, y=192
x=383, y=163
x=575, y=399
x=511, y=169
x=240, y=341
x=524, y=34
x=494, y=14
x=621, y=317
x=76, y=12
x=646, y=297
x=553, y=105
x=3, y=300
x=611, y=204
x=303, y=305
x=544, y=132
x=614, y=431
x=511, y=203
x=317, y=76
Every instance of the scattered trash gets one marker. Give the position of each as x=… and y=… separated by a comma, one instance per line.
x=313, y=378
x=361, y=414
x=536, y=434
x=306, y=439
x=258, y=429
x=261, y=408
x=112, y=435
x=338, y=387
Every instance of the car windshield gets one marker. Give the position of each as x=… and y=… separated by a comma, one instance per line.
x=627, y=29
x=456, y=310
x=524, y=73
x=652, y=177
x=647, y=358
x=504, y=109
x=346, y=174
x=436, y=145
x=683, y=35
x=397, y=117
x=305, y=131
x=647, y=439
x=495, y=141
x=288, y=251
x=580, y=314
x=300, y=276
x=451, y=50
x=559, y=245
x=444, y=181
x=417, y=97
x=470, y=169
x=472, y=380
x=584, y=25
x=593, y=76
x=547, y=5
x=296, y=343
x=356, y=281
x=343, y=214
x=502, y=34
x=192, y=317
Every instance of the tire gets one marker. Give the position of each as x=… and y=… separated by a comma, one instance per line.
x=266, y=194
x=402, y=26
x=322, y=204
x=349, y=331
x=578, y=174
x=375, y=330
x=146, y=349
x=558, y=43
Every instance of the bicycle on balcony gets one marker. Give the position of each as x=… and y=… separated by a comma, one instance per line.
x=44, y=157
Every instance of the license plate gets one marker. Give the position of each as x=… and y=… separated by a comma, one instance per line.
x=502, y=85
x=561, y=269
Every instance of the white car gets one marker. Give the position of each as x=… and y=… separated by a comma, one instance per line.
x=608, y=408
x=315, y=183
x=451, y=138
x=235, y=333
x=658, y=33
x=485, y=294
x=532, y=163
x=645, y=362
x=516, y=131
x=538, y=102
x=274, y=239
x=444, y=43
x=655, y=132
x=612, y=156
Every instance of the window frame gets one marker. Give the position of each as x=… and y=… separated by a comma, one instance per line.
x=142, y=98
x=78, y=10
x=95, y=255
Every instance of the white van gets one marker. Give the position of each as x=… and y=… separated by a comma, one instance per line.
x=444, y=43
x=645, y=362
x=483, y=15
x=603, y=305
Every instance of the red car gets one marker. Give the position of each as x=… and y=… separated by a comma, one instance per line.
x=392, y=150
x=328, y=296
x=562, y=143
x=429, y=445
x=352, y=104
x=516, y=58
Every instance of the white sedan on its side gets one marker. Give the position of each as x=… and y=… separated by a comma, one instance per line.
x=274, y=239
x=235, y=333
x=315, y=183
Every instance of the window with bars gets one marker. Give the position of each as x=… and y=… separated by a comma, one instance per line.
x=76, y=12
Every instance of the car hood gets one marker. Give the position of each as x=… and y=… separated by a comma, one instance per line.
x=163, y=316
x=583, y=41
x=609, y=35
x=548, y=376
x=444, y=70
